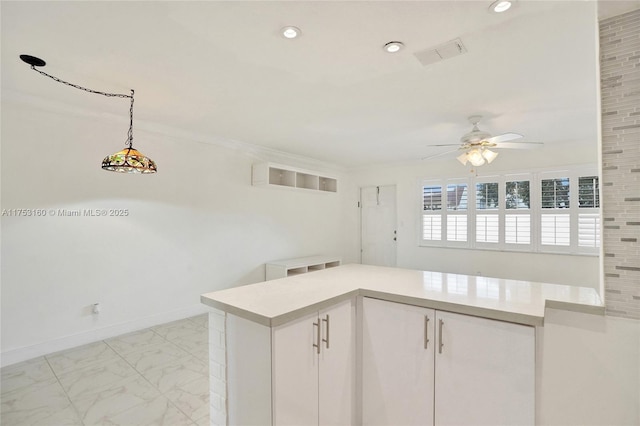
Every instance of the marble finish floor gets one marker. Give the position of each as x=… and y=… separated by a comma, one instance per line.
x=156, y=376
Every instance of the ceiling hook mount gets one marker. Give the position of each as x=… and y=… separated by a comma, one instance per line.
x=34, y=61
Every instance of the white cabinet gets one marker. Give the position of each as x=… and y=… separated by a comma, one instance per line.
x=485, y=371
x=299, y=373
x=295, y=372
x=475, y=371
x=301, y=265
x=314, y=368
x=397, y=364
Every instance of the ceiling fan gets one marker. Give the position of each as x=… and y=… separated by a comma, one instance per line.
x=476, y=144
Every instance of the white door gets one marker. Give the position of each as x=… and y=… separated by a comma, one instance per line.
x=295, y=372
x=379, y=230
x=397, y=364
x=337, y=365
x=485, y=372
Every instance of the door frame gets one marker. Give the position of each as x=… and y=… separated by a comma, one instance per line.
x=360, y=207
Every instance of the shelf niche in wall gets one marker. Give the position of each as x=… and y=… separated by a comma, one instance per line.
x=268, y=174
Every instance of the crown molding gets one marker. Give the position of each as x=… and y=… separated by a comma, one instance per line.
x=175, y=134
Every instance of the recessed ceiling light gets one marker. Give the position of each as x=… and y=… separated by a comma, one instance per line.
x=393, y=46
x=500, y=6
x=290, y=32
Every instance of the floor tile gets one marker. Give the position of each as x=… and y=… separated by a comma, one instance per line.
x=176, y=328
x=95, y=377
x=134, y=341
x=45, y=404
x=192, y=340
x=157, y=376
x=155, y=356
x=101, y=406
x=158, y=411
x=201, y=320
x=204, y=421
x=192, y=398
x=25, y=374
x=81, y=356
x=177, y=373
x=202, y=354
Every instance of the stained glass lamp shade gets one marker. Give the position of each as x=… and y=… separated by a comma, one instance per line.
x=129, y=160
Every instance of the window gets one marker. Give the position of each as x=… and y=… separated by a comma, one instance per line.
x=445, y=212
x=432, y=197
x=487, y=217
x=517, y=221
x=457, y=212
x=588, y=192
x=544, y=211
x=431, y=217
x=555, y=193
x=588, y=216
x=555, y=220
x=517, y=195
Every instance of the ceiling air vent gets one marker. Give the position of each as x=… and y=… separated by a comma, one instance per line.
x=439, y=53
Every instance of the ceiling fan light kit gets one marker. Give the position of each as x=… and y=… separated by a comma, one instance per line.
x=489, y=155
x=129, y=160
x=477, y=157
x=476, y=144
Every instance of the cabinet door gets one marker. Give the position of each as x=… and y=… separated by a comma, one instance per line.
x=485, y=372
x=337, y=365
x=295, y=372
x=397, y=361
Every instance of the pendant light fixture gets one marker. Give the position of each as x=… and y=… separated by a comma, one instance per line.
x=129, y=160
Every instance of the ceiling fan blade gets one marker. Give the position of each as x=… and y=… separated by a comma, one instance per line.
x=520, y=145
x=447, y=144
x=438, y=155
x=505, y=137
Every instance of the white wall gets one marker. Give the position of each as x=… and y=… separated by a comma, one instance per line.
x=196, y=226
x=562, y=269
x=588, y=370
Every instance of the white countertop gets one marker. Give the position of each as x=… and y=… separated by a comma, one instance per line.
x=276, y=302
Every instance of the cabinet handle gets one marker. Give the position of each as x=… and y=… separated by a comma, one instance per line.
x=426, y=331
x=317, y=344
x=440, y=344
x=327, y=339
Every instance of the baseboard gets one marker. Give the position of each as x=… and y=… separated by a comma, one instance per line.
x=25, y=353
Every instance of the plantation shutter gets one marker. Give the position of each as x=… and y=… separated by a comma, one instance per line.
x=487, y=218
x=517, y=222
x=432, y=212
x=457, y=202
x=555, y=227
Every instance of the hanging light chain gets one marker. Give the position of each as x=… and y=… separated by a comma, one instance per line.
x=130, y=133
x=97, y=92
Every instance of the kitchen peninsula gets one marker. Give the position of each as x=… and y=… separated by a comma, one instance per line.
x=360, y=344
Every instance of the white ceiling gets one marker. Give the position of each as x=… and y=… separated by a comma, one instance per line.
x=220, y=70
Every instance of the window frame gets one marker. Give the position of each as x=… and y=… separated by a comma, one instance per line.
x=570, y=211
x=444, y=213
x=535, y=211
x=498, y=211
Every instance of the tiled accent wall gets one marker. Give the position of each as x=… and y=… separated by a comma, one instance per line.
x=620, y=85
x=217, y=368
